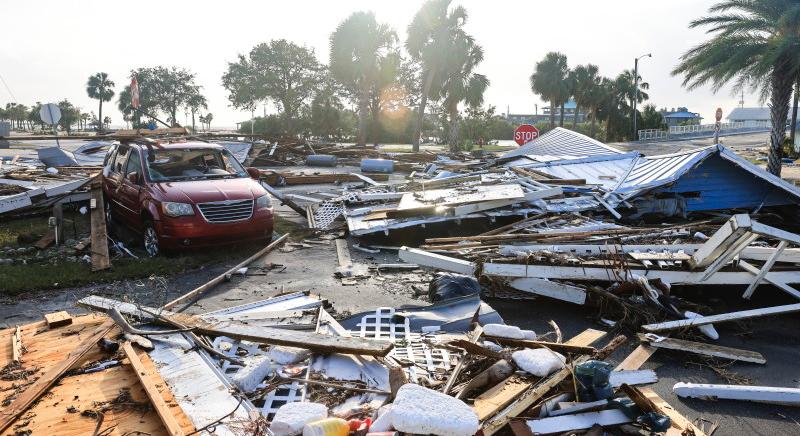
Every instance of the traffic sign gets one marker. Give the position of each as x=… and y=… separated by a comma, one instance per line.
x=525, y=133
x=718, y=115
x=50, y=114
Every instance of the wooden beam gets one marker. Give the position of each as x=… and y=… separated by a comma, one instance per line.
x=16, y=345
x=636, y=358
x=265, y=335
x=438, y=261
x=100, y=258
x=732, y=316
x=220, y=278
x=547, y=288
x=771, y=279
x=721, y=241
x=764, y=270
x=578, y=421
x=58, y=319
x=560, y=348
x=149, y=380
x=33, y=392
x=758, y=394
x=705, y=349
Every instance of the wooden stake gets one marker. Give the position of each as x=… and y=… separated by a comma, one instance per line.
x=100, y=259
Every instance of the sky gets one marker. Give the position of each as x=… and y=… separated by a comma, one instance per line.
x=50, y=48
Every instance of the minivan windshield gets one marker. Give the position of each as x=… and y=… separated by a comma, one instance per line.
x=164, y=165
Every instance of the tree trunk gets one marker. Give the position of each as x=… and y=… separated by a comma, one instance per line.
x=453, y=137
x=793, y=126
x=575, y=117
x=552, y=114
x=561, y=116
x=363, y=109
x=423, y=101
x=100, y=116
x=375, y=109
x=779, y=110
x=594, y=121
x=193, y=129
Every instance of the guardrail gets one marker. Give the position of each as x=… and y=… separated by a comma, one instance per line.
x=703, y=130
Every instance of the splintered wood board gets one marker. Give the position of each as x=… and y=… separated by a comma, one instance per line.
x=58, y=319
x=457, y=196
x=46, y=348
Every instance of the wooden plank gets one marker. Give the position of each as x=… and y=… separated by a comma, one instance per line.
x=16, y=345
x=220, y=278
x=676, y=418
x=636, y=358
x=578, y=421
x=149, y=380
x=560, y=348
x=100, y=258
x=704, y=349
x=764, y=270
x=772, y=232
x=9, y=414
x=237, y=330
x=771, y=279
x=547, y=288
x=515, y=394
x=438, y=261
x=58, y=319
x=721, y=241
x=579, y=407
x=758, y=394
x=732, y=316
x=47, y=240
x=632, y=377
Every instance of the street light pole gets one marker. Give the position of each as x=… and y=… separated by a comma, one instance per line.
x=636, y=92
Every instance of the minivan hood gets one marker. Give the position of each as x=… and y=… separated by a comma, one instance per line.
x=205, y=191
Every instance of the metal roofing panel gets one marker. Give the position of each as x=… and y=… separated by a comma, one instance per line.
x=561, y=141
x=750, y=113
x=608, y=171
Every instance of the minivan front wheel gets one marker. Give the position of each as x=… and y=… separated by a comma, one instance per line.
x=150, y=239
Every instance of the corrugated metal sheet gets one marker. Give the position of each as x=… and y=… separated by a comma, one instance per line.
x=560, y=142
x=607, y=171
x=653, y=171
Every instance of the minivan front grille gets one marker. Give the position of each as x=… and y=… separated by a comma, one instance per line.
x=226, y=211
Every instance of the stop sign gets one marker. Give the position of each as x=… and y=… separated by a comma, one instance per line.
x=525, y=133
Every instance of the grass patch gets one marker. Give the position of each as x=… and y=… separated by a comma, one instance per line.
x=24, y=231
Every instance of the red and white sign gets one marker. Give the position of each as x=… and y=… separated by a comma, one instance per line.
x=134, y=93
x=525, y=133
x=718, y=115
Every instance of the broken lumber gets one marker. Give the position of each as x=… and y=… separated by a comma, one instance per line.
x=560, y=348
x=220, y=278
x=16, y=345
x=732, y=316
x=578, y=421
x=433, y=260
x=703, y=349
x=757, y=394
x=100, y=259
x=266, y=335
x=58, y=319
x=149, y=380
x=547, y=288
x=33, y=392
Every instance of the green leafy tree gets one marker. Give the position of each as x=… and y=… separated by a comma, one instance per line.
x=549, y=81
x=100, y=87
x=754, y=43
x=626, y=86
x=359, y=48
x=279, y=71
x=70, y=114
x=162, y=90
x=431, y=35
x=651, y=118
x=586, y=80
x=195, y=102
x=209, y=119
x=326, y=110
x=462, y=83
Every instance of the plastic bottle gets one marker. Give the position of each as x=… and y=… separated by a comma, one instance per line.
x=327, y=427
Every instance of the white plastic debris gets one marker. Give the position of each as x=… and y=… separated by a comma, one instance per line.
x=540, y=362
x=256, y=369
x=707, y=329
x=291, y=417
x=83, y=210
x=491, y=346
x=508, y=331
x=52, y=170
x=287, y=355
x=382, y=419
x=420, y=410
x=701, y=236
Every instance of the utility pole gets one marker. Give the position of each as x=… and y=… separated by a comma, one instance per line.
x=636, y=92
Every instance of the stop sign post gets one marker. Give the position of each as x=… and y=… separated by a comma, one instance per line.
x=525, y=133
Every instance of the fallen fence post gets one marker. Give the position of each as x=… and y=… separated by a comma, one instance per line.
x=732, y=316
x=220, y=278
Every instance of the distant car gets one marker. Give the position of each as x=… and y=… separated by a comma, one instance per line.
x=182, y=195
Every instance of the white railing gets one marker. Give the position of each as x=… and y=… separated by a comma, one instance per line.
x=703, y=129
x=652, y=134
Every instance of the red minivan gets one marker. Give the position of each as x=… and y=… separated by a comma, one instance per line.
x=184, y=194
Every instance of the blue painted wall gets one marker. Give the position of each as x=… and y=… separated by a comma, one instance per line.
x=723, y=185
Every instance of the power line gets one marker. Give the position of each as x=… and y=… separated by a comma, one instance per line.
x=8, y=89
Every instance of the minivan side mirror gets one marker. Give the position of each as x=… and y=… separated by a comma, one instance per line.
x=254, y=173
x=133, y=177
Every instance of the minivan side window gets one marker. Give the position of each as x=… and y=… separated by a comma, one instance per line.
x=133, y=163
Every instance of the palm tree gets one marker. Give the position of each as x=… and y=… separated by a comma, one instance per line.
x=99, y=86
x=462, y=83
x=754, y=43
x=431, y=35
x=209, y=118
x=626, y=85
x=548, y=80
x=358, y=46
x=195, y=102
x=586, y=81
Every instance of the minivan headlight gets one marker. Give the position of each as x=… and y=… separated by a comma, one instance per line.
x=176, y=209
x=263, y=202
